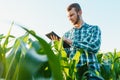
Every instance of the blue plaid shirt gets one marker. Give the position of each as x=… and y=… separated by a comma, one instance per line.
x=88, y=38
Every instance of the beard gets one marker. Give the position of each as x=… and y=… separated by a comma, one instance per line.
x=77, y=20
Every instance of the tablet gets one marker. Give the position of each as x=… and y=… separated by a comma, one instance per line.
x=65, y=45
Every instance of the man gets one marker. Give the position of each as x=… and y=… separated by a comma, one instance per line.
x=82, y=36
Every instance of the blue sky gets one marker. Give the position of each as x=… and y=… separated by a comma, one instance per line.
x=44, y=16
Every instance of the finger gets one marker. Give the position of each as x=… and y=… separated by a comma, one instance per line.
x=51, y=37
x=54, y=37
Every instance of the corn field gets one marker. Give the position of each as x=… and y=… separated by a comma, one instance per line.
x=28, y=59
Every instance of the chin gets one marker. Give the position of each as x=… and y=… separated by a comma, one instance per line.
x=73, y=23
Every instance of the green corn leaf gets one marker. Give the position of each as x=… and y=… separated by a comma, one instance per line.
x=7, y=38
x=52, y=58
x=77, y=56
x=14, y=57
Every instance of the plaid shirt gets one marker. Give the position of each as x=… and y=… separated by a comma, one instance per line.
x=88, y=38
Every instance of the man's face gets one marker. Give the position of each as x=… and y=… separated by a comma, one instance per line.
x=73, y=16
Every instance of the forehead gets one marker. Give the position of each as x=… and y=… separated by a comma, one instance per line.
x=72, y=11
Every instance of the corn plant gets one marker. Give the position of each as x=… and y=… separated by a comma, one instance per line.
x=4, y=40
x=28, y=60
x=110, y=65
x=38, y=60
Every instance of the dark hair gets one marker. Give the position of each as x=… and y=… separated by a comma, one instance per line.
x=74, y=5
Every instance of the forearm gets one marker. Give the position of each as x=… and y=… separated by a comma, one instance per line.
x=89, y=47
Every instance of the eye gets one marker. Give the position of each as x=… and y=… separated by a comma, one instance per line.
x=71, y=15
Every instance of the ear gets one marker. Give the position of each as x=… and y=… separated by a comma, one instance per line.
x=80, y=12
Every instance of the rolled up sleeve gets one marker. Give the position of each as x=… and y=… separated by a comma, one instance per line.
x=90, y=43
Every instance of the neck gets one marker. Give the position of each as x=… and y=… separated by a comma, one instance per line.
x=79, y=24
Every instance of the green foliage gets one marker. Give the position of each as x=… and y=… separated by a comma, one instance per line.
x=110, y=65
x=39, y=60
x=3, y=50
x=25, y=60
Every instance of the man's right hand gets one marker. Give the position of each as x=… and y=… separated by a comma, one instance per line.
x=54, y=37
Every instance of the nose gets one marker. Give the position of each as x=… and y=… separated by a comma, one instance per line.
x=70, y=18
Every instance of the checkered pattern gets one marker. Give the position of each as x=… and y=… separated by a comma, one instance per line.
x=88, y=38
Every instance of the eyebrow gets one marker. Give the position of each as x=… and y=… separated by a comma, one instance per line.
x=71, y=15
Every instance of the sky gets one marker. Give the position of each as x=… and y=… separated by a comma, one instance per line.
x=44, y=16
